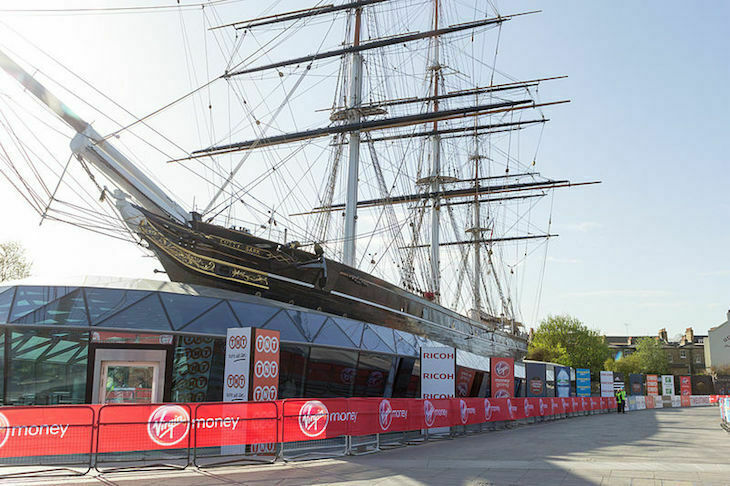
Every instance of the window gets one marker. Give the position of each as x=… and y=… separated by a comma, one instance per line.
x=683, y=354
x=47, y=367
x=330, y=373
x=293, y=363
x=407, y=378
x=197, y=370
x=372, y=375
x=698, y=359
x=670, y=357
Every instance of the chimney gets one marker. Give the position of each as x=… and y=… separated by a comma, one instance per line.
x=663, y=335
x=689, y=335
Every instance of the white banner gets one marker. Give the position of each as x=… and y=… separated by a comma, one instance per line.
x=676, y=401
x=699, y=400
x=438, y=372
x=606, y=383
x=667, y=384
x=238, y=364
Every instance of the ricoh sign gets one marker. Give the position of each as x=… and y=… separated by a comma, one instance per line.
x=438, y=372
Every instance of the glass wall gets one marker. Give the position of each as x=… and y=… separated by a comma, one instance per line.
x=292, y=368
x=372, y=375
x=330, y=372
x=197, y=371
x=46, y=367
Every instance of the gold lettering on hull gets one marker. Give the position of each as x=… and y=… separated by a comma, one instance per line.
x=203, y=264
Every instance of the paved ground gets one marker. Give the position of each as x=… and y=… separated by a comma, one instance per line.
x=654, y=447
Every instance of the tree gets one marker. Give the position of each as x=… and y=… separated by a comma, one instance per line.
x=541, y=352
x=13, y=263
x=572, y=341
x=652, y=356
x=626, y=365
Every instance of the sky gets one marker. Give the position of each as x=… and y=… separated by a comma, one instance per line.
x=649, y=114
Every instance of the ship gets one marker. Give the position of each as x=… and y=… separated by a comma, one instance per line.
x=197, y=247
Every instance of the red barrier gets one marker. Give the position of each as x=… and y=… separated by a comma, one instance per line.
x=315, y=419
x=46, y=431
x=131, y=427
x=225, y=424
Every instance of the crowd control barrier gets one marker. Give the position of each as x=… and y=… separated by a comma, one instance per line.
x=73, y=439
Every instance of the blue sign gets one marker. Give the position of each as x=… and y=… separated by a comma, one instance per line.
x=583, y=382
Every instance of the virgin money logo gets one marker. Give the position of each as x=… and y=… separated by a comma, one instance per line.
x=428, y=412
x=465, y=411
x=375, y=378
x=385, y=414
x=313, y=418
x=501, y=369
x=528, y=408
x=543, y=407
x=554, y=406
x=489, y=409
x=168, y=425
x=501, y=394
x=511, y=409
x=4, y=429
x=583, y=403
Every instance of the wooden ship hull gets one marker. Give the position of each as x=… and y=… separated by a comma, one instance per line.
x=214, y=256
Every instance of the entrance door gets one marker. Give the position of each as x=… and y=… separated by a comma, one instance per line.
x=128, y=376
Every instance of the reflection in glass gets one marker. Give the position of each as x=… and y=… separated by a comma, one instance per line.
x=372, y=375
x=330, y=373
x=293, y=363
x=128, y=384
x=47, y=367
x=407, y=378
x=197, y=369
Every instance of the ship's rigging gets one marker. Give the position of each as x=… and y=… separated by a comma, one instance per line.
x=417, y=173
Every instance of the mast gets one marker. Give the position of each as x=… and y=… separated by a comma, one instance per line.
x=476, y=230
x=435, y=165
x=353, y=163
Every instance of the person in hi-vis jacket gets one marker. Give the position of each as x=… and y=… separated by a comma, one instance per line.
x=620, y=400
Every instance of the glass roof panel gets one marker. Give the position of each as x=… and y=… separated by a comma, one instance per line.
x=147, y=313
x=28, y=299
x=372, y=342
x=351, y=327
x=331, y=334
x=182, y=309
x=69, y=310
x=289, y=331
x=105, y=302
x=309, y=323
x=6, y=298
x=214, y=321
x=253, y=315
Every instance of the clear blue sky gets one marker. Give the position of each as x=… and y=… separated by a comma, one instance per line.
x=649, y=117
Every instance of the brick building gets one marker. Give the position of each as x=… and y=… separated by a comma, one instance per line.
x=686, y=356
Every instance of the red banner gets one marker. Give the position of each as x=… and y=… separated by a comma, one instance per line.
x=237, y=423
x=685, y=386
x=315, y=419
x=133, y=427
x=503, y=377
x=686, y=401
x=44, y=431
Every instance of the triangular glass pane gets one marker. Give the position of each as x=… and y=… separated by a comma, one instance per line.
x=253, y=315
x=68, y=310
x=6, y=298
x=215, y=321
x=145, y=314
x=28, y=299
x=372, y=342
x=184, y=308
x=352, y=328
x=288, y=330
x=309, y=323
x=405, y=344
x=386, y=334
x=331, y=334
x=105, y=302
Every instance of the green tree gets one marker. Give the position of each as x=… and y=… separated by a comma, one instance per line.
x=652, y=356
x=571, y=341
x=626, y=365
x=13, y=263
x=541, y=352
